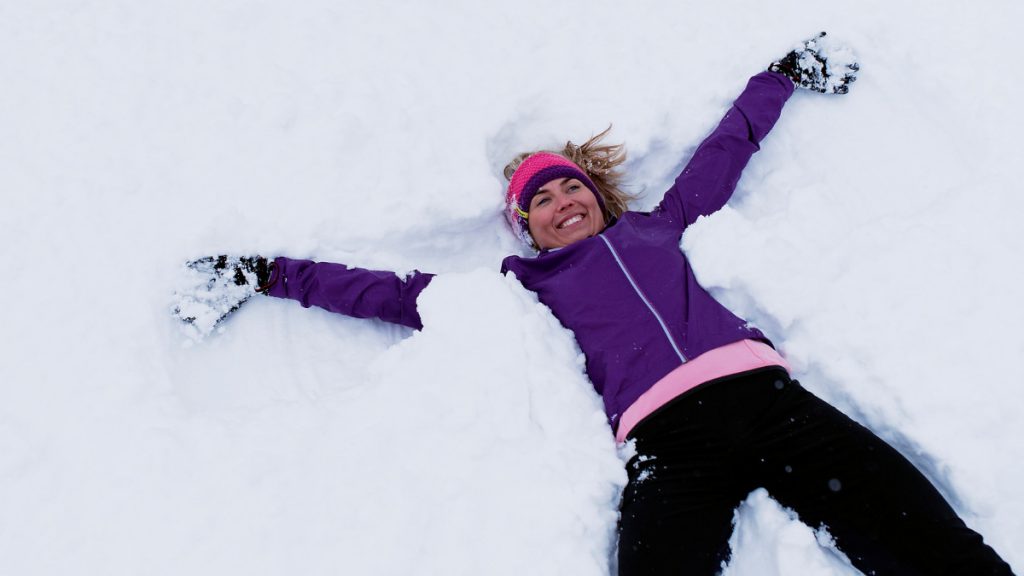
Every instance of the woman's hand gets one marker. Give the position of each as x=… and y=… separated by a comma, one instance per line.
x=215, y=286
x=820, y=66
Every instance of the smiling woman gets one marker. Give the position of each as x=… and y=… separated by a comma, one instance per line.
x=547, y=189
x=564, y=211
x=566, y=208
x=709, y=403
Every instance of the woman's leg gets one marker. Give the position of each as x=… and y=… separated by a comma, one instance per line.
x=883, y=513
x=684, y=486
x=665, y=532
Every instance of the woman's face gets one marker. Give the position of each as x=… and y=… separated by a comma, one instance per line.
x=562, y=212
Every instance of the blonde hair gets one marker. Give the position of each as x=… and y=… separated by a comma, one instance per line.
x=601, y=163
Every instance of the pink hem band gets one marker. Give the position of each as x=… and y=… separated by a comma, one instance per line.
x=725, y=360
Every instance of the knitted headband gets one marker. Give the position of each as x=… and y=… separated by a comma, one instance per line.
x=537, y=170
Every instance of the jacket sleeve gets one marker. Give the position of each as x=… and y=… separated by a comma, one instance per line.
x=351, y=291
x=710, y=176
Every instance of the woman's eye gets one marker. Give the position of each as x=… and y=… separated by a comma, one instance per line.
x=574, y=187
x=542, y=201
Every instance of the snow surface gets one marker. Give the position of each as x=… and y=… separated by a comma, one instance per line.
x=875, y=238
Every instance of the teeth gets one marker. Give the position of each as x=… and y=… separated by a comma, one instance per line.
x=571, y=221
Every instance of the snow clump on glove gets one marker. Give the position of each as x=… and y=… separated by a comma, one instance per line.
x=820, y=65
x=213, y=287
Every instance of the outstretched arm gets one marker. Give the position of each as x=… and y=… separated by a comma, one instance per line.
x=351, y=291
x=213, y=287
x=710, y=177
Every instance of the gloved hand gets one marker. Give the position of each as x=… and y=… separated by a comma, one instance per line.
x=819, y=65
x=215, y=286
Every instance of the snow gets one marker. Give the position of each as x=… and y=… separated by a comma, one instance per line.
x=874, y=238
x=769, y=539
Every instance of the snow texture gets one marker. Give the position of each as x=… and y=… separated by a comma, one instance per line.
x=875, y=238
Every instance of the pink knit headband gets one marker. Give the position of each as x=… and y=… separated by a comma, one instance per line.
x=536, y=171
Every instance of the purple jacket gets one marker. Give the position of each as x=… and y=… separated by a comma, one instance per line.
x=628, y=294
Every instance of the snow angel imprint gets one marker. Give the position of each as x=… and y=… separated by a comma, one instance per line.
x=709, y=402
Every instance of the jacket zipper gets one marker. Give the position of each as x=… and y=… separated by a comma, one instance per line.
x=636, y=288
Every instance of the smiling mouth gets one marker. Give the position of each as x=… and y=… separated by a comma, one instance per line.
x=571, y=221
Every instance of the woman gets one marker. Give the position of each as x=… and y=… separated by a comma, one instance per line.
x=705, y=397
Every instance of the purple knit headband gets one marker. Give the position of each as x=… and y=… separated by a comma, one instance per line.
x=536, y=171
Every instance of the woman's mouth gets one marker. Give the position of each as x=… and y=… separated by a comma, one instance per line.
x=571, y=221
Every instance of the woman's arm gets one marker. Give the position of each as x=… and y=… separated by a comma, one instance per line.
x=213, y=287
x=710, y=176
x=351, y=291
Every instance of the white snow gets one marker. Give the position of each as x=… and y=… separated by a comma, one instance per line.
x=875, y=238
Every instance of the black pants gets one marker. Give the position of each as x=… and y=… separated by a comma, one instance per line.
x=701, y=455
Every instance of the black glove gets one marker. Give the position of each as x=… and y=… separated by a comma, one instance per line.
x=215, y=286
x=819, y=66
x=243, y=270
